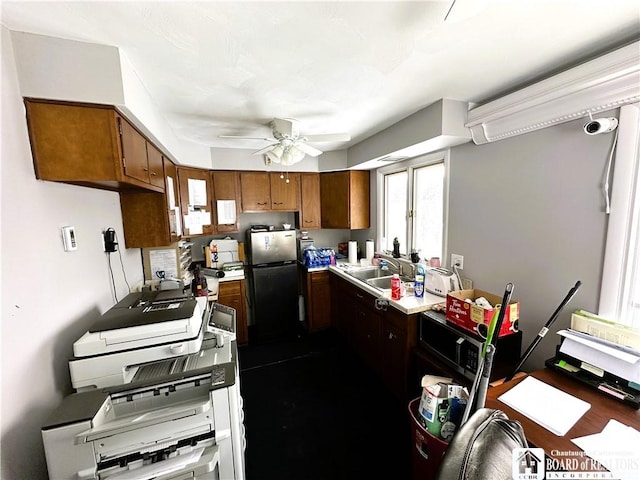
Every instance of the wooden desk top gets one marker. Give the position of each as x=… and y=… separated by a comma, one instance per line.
x=593, y=421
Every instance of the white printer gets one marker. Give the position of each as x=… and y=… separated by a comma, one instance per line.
x=141, y=328
x=178, y=418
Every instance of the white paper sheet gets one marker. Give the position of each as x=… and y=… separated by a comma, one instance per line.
x=548, y=406
x=611, y=360
x=226, y=212
x=615, y=448
x=197, y=192
x=172, y=197
x=163, y=260
x=164, y=467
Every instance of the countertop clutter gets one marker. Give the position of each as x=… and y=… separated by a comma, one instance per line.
x=407, y=304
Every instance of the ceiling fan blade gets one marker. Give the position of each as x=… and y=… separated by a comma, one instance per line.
x=265, y=149
x=308, y=149
x=240, y=137
x=328, y=137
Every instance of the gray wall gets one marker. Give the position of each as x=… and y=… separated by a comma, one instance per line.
x=529, y=210
x=49, y=297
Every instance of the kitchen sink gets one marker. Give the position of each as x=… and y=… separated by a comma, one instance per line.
x=381, y=282
x=369, y=273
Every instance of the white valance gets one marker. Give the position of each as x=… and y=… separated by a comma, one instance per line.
x=607, y=82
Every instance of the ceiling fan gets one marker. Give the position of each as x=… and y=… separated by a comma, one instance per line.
x=290, y=146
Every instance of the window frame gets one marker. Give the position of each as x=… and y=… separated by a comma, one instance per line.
x=410, y=165
x=625, y=181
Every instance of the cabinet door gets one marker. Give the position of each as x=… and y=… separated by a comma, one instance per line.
x=393, y=365
x=255, y=189
x=309, y=201
x=334, y=192
x=226, y=186
x=195, y=201
x=359, y=202
x=319, y=300
x=134, y=152
x=369, y=334
x=343, y=307
x=232, y=294
x=147, y=217
x=285, y=192
x=155, y=167
x=345, y=199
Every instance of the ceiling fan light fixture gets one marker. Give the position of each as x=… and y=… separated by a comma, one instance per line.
x=275, y=154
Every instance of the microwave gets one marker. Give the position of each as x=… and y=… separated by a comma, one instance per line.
x=460, y=350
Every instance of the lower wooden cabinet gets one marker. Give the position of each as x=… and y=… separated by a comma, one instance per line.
x=316, y=289
x=232, y=294
x=383, y=338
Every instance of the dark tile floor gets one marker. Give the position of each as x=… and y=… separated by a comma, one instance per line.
x=314, y=411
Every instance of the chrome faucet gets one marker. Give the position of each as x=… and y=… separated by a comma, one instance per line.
x=400, y=266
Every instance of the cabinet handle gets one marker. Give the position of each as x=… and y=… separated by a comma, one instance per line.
x=359, y=296
x=145, y=169
x=278, y=203
x=262, y=203
x=391, y=336
x=154, y=174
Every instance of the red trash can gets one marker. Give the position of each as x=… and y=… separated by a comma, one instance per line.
x=426, y=450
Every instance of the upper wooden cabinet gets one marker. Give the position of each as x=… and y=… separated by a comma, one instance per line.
x=345, y=199
x=91, y=145
x=226, y=187
x=255, y=191
x=264, y=191
x=309, y=217
x=285, y=191
x=152, y=219
x=196, y=200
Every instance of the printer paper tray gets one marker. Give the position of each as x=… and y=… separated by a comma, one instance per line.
x=146, y=418
x=171, y=468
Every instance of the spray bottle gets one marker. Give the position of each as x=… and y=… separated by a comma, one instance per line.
x=418, y=286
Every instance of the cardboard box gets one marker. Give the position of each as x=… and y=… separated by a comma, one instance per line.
x=477, y=319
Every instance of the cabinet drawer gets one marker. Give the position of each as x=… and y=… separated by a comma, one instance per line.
x=229, y=288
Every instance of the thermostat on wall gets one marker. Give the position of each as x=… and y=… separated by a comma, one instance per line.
x=69, y=239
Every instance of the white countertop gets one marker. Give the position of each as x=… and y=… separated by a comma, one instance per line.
x=408, y=304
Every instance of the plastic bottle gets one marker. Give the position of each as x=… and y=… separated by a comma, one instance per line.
x=418, y=286
x=396, y=293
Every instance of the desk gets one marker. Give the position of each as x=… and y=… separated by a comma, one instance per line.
x=593, y=421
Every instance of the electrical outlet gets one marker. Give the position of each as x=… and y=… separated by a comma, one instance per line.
x=457, y=261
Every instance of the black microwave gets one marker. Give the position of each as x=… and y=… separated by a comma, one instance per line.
x=460, y=350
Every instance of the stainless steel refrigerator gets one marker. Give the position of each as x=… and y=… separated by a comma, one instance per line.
x=273, y=284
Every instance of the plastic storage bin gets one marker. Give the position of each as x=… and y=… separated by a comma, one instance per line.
x=426, y=450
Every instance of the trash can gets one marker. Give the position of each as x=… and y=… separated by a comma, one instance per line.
x=426, y=450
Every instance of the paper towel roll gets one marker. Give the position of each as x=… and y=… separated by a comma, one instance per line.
x=370, y=250
x=353, y=252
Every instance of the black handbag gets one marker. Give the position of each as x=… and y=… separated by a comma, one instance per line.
x=483, y=448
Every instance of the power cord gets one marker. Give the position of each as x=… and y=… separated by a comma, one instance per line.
x=113, y=283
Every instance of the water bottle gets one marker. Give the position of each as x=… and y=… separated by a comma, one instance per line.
x=396, y=293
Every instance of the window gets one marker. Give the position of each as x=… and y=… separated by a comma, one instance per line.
x=620, y=291
x=413, y=206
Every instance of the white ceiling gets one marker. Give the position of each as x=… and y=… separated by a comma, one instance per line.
x=227, y=68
